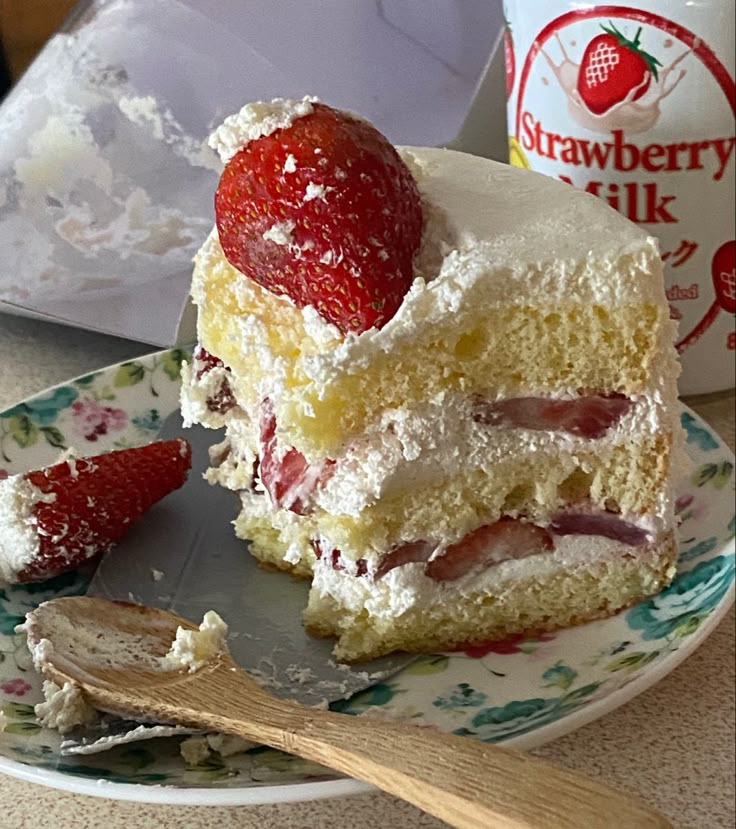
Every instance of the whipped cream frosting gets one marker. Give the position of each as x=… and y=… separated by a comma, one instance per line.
x=19, y=540
x=498, y=251
x=256, y=120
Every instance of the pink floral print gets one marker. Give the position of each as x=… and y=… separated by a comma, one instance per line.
x=91, y=419
x=17, y=686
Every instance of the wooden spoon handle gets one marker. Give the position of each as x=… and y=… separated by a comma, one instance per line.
x=467, y=783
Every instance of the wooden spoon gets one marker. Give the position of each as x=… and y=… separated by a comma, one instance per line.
x=110, y=650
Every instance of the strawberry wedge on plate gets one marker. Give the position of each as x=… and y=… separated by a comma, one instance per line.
x=52, y=520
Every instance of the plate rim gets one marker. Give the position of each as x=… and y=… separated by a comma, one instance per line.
x=266, y=794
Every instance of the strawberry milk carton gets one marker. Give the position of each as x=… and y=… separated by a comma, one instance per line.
x=636, y=104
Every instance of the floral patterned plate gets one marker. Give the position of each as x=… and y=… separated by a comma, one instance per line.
x=523, y=692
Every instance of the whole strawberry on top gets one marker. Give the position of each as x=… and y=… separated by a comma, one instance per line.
x=325, y=212
x=613, y=69
x=53, y=519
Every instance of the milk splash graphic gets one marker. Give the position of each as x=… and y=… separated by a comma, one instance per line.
x=632, y=115
x=636, y=105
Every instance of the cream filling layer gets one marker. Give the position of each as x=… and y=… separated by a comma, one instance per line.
x=416, y=446
x=411, y=447
x=408, y=588
x=297, y=533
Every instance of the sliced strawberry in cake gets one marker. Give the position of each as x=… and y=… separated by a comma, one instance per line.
x=602, y=524
x=290, y=480
x=587, y=416
x=490, y=544
x=411, y=552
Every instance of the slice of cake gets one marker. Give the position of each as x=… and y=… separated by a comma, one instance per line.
x=449, y=397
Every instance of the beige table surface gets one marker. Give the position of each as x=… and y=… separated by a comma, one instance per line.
x=674, y=744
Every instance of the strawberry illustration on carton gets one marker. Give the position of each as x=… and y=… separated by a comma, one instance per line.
x=614, y=70
x=636, y=106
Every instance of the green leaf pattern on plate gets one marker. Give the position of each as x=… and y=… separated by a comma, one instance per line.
x=691, y=596
x=697, y=433
x=129, y=374
x=461, y=696
x=560, y=676
x=171, y=362
x=518, y=717
x=715, y=474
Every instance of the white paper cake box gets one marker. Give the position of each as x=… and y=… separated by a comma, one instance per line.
x=106, y=180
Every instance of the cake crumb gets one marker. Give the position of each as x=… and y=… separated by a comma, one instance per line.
x=198, y=749
x=227, y=744
x=64, y=707
x=193, y=649
x=280, y=233
x=194, y=750
x=299, y=675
